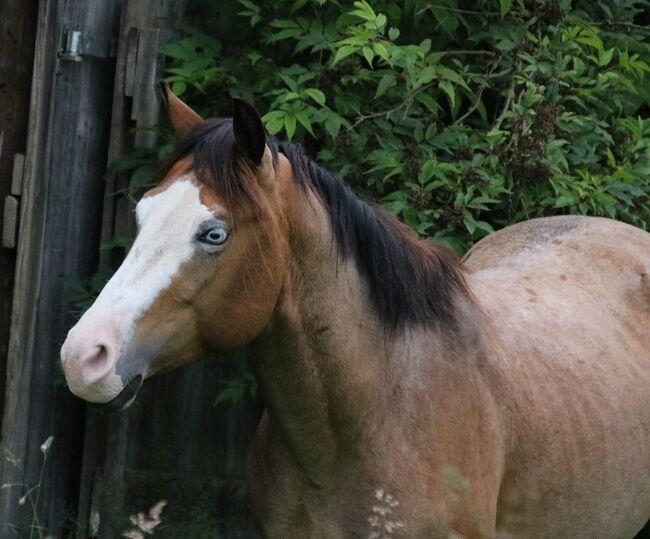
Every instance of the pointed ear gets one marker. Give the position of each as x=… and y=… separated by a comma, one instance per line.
x=249, y=130
x=183, y=118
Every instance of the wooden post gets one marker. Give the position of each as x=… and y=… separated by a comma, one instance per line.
x=65, y=161
x=135, y=105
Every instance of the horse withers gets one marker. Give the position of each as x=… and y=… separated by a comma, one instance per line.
x=409, y=394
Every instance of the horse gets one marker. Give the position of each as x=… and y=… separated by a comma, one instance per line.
x=409, y=393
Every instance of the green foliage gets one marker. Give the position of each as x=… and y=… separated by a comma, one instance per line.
x=81, y=293
x=460, y=117
x=234, y=390
x=143, y=163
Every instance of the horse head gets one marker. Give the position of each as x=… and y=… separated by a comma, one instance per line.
x=206, y=267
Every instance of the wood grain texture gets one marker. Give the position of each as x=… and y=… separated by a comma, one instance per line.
x=10, y=222
x=17, y=37
x=172, y=443
x=61, y=202
x=105, y=438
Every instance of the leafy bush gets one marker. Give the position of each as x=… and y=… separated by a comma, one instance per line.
x=459, y=119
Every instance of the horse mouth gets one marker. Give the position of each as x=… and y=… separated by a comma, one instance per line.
x=123, y=399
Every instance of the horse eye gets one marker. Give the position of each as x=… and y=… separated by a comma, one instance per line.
x=215, y=236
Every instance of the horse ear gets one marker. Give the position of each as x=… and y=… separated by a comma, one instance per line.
x=183, y=118
x=249, y=130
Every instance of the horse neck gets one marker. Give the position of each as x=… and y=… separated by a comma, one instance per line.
x=318, y=365
x=327, y=367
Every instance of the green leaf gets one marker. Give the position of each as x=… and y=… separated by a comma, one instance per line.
x=368, y=55
x=275, y=126
x=381, y=51
x=304, y=120
x=177, y=50
x=332, y=126
x=428, y=170
x=290, y=125
x=386, y=83
x=316, y=95
x=505, y=6
x=451, y=75
x=99, y=280
x=564, y=200
x=343, y=52
x=179, y=87
x=448, y=88
x=429, y=102
x=228, y=394
x=142, y=177
x=605, y=57
x=484, y=226
x=117, y=241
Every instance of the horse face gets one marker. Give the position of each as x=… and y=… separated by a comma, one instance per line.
x=197, y=278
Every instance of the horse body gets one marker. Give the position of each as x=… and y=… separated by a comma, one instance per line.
x=569, y=301
x=508, y=435
x=407, y=397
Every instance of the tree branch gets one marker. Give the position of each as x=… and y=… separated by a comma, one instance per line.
x=431, y=7
x=407, y=100
x=479, y=95
x=510, y=96
x=469, y=53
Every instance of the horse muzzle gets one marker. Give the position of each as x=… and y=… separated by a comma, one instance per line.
x=93, y=368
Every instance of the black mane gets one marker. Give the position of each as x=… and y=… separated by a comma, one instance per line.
x=411, y=281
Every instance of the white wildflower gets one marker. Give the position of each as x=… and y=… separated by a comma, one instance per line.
x=94, y=523
x=382, y=521
x=145, y=523
x=45, y=446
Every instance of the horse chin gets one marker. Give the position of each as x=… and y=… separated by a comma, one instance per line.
x=123, y=400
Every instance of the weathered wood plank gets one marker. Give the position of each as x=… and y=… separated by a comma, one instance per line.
x=63, y=183
x=10, y=222
x=17, y=171
x=105, y=437
x=191, y=453
x=172, y=443
x=17, y=38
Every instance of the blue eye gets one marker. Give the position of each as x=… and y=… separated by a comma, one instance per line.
x=215, y=236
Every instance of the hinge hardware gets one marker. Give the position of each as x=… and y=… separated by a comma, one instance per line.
x=77, y=45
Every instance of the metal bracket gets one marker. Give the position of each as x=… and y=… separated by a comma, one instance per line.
x=77, y=45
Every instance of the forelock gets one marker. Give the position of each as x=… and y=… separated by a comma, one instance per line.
x=218, y=164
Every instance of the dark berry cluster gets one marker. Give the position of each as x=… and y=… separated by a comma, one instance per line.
x=546, y=120
x=453, y=214
x=412, y=160
x=472, y=177
x=550, y=13
x=524, y=157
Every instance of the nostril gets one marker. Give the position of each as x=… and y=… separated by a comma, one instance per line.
x=100, y=356
x=97, y=364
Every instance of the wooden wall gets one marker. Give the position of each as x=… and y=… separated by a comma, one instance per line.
x=65, y=161
x=173, y=443
x=17, y=36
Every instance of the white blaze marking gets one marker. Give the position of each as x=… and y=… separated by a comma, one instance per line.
x=168, y=223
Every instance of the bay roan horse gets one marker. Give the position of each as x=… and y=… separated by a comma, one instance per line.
x=409, y=394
